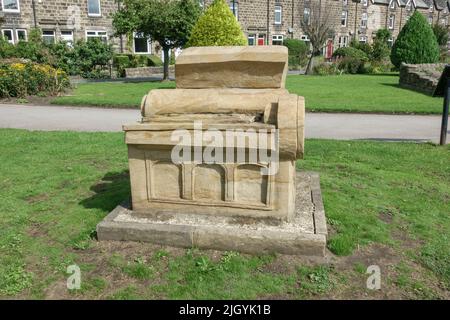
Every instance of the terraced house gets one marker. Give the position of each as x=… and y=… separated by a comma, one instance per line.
x=263, y=21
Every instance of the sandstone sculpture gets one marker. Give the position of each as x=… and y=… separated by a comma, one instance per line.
x=231, y=94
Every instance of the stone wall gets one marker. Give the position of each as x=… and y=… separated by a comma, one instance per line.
x=146, y=72
x=420, y=77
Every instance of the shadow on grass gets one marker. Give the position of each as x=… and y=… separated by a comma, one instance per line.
x=112, y=190
x=398, y=86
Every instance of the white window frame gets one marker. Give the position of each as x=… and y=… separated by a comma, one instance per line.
x=65, y=37
x=344, y=17
x=409, y=5
x=12, y=35
x=251, y=36
x=277, y=37
x=96, y=36
x=236, y=8
x=364, y=3
x=11, y=10
x=345, y=2
x=149, y=44
x=431, y=8
x=364, y=20
x=363, y=39
x=392, y=5
x=54, y=35
x=391, y=22
x=304, y=38
x=307, y=12
x=17, y=34
x=343, y=41
x=99, y=14
x=278, y=9
x=430, y=19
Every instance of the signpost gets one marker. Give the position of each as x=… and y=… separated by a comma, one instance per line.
x=443, y=90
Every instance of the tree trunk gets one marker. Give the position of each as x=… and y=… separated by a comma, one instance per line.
x=309, y=67
x=166, y=63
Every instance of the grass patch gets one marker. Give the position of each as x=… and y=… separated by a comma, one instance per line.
x=344, y=93
x=56, y=186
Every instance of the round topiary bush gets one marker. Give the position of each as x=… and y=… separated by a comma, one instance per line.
x=416, y=43
x=217, y=27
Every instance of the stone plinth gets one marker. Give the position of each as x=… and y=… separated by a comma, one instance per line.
x=304, y=235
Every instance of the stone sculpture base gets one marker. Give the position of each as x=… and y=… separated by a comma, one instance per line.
x=304, y=235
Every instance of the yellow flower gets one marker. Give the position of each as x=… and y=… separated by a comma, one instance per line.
x=18, y=66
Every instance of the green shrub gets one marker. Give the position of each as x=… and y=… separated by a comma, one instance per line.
x=365, y=47
x=350, y=65
x=154, y=61
x=298, y=52
x=217, y=27
x=416, y=43
x=92, y=57
x=325, y=69
x=350, y=52
x=121, y=62
x=7, y=50
x=19, y=79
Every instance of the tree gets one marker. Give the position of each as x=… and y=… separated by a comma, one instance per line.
x=217, y=27
x=318, y=28
x=167, y=21
x=380, y=47
x=416, y=43
x=441, y=33
x=297, y=51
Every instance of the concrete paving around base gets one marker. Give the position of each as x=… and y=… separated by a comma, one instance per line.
x=341, y=126
x=305, y=235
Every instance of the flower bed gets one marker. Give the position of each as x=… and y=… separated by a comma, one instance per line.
x=19, y=78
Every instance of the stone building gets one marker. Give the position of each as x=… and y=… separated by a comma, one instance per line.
x=263, y=21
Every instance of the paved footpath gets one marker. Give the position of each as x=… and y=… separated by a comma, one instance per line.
x=342, y=126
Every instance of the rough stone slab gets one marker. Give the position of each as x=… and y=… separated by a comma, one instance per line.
x=305, y=235
x=254, y=67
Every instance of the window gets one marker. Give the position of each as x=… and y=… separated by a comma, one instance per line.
x=344, y=18
x=67, y=36
x=409, y=6
x=391, y=21
x=343, y=40
x=97, y=35
x=261, y=39
x=8, y=35
x=364, y=3
x=277, y=40
x=392, y=5
x=431, y=7
x=304, y=38
x=21, y=35
x=307, y=16
x=430, y=19
x=141, y=43
x=235, y=9
x=364, y=20
x=48, y=36
x=443, y=21
x=390, y=42
x=362, y=39
x=344, y=2
x=277, y=14
x=251, y=40
x=10, y=6
x=94, y=8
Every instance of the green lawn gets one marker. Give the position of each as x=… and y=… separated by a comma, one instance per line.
x=345, y=93
x=386, y=204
